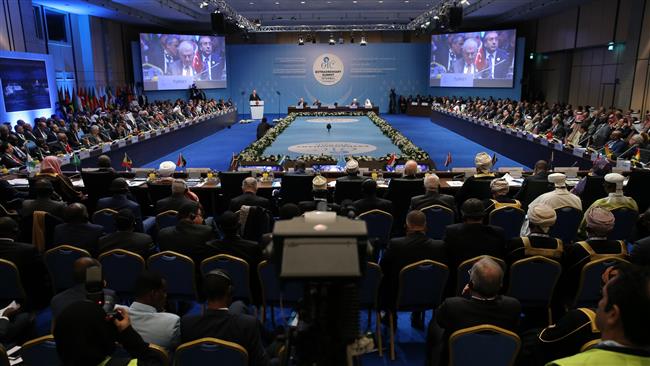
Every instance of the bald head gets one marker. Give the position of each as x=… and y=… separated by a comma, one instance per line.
x=75, y=213
x=416, y=221
x=249, y=185
x=410, y=168
x=431, y=182
x=486, y=278
x=80, y=266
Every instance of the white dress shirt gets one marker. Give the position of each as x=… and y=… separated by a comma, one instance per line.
x=161, y=329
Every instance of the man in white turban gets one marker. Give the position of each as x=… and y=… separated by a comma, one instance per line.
x=615, y=198
x=541, y=218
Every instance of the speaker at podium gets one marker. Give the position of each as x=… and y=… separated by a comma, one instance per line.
x=257, y=109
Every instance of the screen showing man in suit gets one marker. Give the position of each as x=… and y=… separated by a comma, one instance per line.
x=175, y=61
x=473, y=59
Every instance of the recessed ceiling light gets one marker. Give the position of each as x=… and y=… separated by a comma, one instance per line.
x=406, y=1
x=251, y=3
x=381, y=1
x=302, y=2
x=277, y=3
x=354, y=1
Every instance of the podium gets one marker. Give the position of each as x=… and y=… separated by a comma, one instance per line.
x=257, y=109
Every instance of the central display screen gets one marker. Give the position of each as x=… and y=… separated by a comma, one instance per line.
x=473, y=59
x=175, y=61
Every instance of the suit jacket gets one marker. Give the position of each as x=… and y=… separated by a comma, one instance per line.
x=465, y=241
x=68, y=297
x=247, y=250
x=351, y=177
x=238, y=328
x=540, y=177
x=459, y=312
x=373, y=203
x=171, y=203
x=248, y=199
x=401, y=252
x=135, y=242
x=42, y=204
x=254, y=97
x=176, y=68
x=33, y=274
x=215, y=67
x=262, y=128
x=433, y=198
x=458, y=66
x=188, y=239
x=501, y=65
x=11, y=161
x=84, y=236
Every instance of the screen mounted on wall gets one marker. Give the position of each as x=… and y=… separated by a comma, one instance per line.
x=24, y=84
x=175, y=61
x=483, y=59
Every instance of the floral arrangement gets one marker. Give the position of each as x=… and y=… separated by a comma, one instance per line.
x=254, y=153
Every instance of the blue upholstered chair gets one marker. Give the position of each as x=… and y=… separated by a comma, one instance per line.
x=59, y=262
x=166, y=219
x=210, y=351
x=420, y=288
x=274, y=293
x=589, y=287
x=462, y=276
x=624, y=221
x=379, y=224
x=40, y=351
x=106, y=218
x=178, y=271
x=532, y=281
x=369, y=297
x=236, y=268
x=121, y=268
x=483, y=345
x=438, y=218
x=11, y=287
x=566, y=224
x=508, y=218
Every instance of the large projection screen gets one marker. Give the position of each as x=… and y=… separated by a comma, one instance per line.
x=483, y=59
x=175, y=61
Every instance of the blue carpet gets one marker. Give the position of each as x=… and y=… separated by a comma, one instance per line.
x=214, y=151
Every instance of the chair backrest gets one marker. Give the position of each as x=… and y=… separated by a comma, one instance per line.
x=534, y=189
x=231, y=183
x=509, y=219
x=106, y=218
x=274, y=291
x=236, y=268
x=533, y=279
x=97, y=183
x=594, y=189
x=296, y=188
x=40, y=351
x=637, y=188
x=59, y=262
x=624, y=222
x=210, y=351
x=438, y=218
x=347, y=189
x=258, y=222
x=166, y=219
x=121, y=268
x=477, y=188
x=178, y=271
x=483, y=345
x=4, y=360
x=378, y=224
x=400, y=192
x=11, y=287
x=566, y=224
x=160, y=354
x=589, y=287
x=421, y=285
x=462, y=276
x=369, y=286
x=158, y=191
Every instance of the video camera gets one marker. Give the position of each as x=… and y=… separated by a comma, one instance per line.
x=95, y=292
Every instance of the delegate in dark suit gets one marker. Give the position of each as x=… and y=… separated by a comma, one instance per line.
x=238, y=328
x=80, y=235
x=248, y=199
x=464, y=241
x=68, y=297
x=497, y=65
x=33, y=274
x=373, y=203
x=135, y=242
x=173, y=202
x=413, y=247
x=188, y=239
x=42, y=204
x=433, y=198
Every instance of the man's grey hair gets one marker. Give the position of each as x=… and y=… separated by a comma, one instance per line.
x=94, y=128
x=249, y=183
x=470, y=42
x=431, y=182
x=178, y=186
x=186, y=46
x=486, y=277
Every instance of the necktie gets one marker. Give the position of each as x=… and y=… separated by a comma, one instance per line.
x=186, y=71
x=491, y=65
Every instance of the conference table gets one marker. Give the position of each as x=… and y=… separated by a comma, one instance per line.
x=331, y=109
x=521, y=146
x=418, y=109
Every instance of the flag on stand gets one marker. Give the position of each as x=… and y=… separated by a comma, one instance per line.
x=282, y=160
x=126, y=162
x=234, y=162
x=181, y=162
x=448, y=159
x=76, y=161
x=30, y=164
x=637, y=155
x=494, y=159
x=608, y=152
x=392, y=160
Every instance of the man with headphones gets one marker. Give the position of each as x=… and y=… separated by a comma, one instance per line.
x=479, y=304
x=189, y=235
x=224, y=319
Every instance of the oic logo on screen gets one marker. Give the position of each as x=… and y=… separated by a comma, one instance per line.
x=328, y=69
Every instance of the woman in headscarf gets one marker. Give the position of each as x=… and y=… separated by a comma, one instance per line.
x=51, y=170
x=541, y=218
x=86, y=336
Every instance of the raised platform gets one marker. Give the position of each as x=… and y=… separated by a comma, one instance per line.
x=329, y=109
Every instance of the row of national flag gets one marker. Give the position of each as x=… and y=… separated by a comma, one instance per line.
x=91, y=98
x=448, y=160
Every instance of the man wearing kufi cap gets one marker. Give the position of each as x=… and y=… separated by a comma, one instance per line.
x=615, y=199
x=319, y=189
x=499, y=188
x=599, y=223
x=352, y=172
x=541, y=218
x=557, y=198
x=474, y=186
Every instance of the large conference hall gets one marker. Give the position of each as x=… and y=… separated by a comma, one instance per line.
x=325, y=182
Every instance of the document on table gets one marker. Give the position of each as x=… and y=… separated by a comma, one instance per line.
x=454, y=183
x=18, y=182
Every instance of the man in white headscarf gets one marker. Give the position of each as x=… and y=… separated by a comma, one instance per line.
x=615, y=198
x=352, y=171
x=557, y=198
x=540, y=220
x=472, y=189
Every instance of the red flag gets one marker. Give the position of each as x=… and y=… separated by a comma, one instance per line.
x=197, y=64
x=549, y=135
x=68, y=148
x=448, y=159
x=479, y=61
x=392, y=160
x=181, y=162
